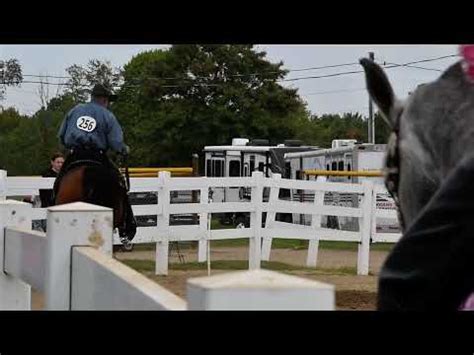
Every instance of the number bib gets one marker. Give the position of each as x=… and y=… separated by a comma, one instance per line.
x=86, y=123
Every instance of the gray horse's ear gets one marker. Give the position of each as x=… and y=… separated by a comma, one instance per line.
x=380, y=90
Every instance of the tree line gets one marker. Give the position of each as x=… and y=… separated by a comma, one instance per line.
x=173, y=102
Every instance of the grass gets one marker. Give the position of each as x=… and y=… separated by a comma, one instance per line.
x=149, y=266
x=277, y=244
x=292, y=243
x=216, y=224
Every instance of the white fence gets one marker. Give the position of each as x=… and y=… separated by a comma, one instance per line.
x=260, y=237
x=72, y=265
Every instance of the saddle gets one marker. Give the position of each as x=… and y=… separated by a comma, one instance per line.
x=79, y=157
x=81, y=162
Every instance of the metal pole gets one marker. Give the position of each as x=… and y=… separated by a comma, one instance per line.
x=371, y=121
x=195, y=163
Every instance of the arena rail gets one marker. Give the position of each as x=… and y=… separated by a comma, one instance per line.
x=260, y=234
x=73, y=267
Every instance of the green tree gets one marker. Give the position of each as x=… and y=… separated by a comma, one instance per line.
x=61, y=104
x=27, y=147
x=82, y=78
x=382, y=129
x=16, y=142
x=174, y=102
x=10, y=75
x=27, y=142
x=323, y=129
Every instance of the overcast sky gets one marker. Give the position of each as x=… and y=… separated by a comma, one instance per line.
x=336, y=94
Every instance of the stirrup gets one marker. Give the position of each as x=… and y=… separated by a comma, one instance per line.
x=126, y=242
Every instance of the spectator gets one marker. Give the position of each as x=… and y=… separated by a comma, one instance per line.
x=46, y=196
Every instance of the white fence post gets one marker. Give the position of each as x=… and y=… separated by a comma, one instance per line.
x=373, y=227
x=258, y=290
x=274, y=194
x=163, y=224
x=313, y=247
x=366, y=229
x=74, y=224
x=14, y=293
x=3, y=185
x=202, y=243
x=255, y=242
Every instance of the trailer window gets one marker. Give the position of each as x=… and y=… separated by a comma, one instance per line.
x=221, y=168
x=218, y=168
x=287, y=173
x=234, y=168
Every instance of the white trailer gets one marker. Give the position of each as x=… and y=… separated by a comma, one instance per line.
x=345, y=155
x=241, y=159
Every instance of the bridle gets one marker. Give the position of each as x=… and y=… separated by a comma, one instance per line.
x=392, y=170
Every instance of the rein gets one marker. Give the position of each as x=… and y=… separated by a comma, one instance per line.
x=392, y=171
x=127, y=174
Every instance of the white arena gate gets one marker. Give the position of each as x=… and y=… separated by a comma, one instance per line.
x=259, y=236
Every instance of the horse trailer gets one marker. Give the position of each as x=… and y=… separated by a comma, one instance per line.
x=240, y=159
x=345, y=155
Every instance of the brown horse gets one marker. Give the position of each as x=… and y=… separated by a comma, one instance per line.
x=90, y=181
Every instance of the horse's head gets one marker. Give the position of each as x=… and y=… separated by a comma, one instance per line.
x=431, y=131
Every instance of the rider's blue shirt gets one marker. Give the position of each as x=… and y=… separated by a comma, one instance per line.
x=91, y=125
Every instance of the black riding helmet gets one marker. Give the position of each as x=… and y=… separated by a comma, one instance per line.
x=101, y=90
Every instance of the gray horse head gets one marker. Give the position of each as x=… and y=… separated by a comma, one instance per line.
x=435, y=129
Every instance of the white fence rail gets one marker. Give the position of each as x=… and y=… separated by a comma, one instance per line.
x=54, y=263
x=72, y=265
x=260, y=237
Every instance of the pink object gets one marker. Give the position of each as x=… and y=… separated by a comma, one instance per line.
x=467, y=53
x=468, y=305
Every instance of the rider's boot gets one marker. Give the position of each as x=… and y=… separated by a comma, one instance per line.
x=131, y=223
x=130, y=229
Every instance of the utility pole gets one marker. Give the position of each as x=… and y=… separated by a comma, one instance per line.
x=371, y=121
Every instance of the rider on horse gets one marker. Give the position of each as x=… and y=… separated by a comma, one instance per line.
x=88, y=132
